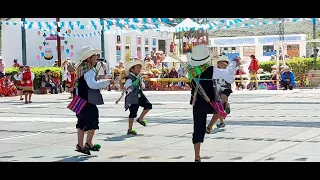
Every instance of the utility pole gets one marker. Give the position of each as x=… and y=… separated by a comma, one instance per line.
x=58, y=42
x=102, y=38
x=315, y=54
x=23, y=42
x=281, y=39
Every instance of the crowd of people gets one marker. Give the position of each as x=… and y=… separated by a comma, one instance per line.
x=57, y=82
x=155, y=68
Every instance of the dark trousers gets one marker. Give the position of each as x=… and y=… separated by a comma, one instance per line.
x=200, y=112
x=52, y=87
x=286, y=85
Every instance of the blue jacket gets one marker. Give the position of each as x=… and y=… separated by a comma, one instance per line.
x=291, y=78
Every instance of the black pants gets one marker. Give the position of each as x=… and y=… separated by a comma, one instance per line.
x=286, y=85
x=52, y=87
x=200, y=112
x=143, y=102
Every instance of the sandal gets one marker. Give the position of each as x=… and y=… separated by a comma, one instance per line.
x=26, y=102
x=208, y=130
x=221, y=125
x=143, y=123
x=132, y=132
x=30, y=101
x=95, y=147
x=84, y=150
x=21, y=99
x=197, y=160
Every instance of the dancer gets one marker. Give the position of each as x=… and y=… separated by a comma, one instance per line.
x=27, y=78
x=204, y=95
x=88, y=88
x=134, y=95
x=224, y=89
x=19, y=84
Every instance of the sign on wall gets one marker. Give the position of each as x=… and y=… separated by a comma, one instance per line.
x=127, y=48
x=49, y=44
x=139, y=38
x=118, y=48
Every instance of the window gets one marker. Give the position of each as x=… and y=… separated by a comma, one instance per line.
x=229, y=50
x=268, y=48
x=248, y=50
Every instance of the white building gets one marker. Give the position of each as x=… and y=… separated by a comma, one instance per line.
x=261, y=46
x=41, y=46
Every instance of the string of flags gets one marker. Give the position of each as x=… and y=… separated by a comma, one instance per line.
x=139, y=24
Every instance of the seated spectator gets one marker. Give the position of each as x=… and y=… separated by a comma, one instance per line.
x=47, y=82
x=56, y=80
x=287, y=79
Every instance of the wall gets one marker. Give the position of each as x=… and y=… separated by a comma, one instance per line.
x=11, y=42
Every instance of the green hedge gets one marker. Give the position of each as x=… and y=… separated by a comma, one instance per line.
x=37, y=71
x=299, y=66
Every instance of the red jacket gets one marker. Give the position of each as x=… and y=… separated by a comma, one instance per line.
x=254, y=65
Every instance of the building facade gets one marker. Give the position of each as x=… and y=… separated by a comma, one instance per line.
x=41, y=46
x=261, y=46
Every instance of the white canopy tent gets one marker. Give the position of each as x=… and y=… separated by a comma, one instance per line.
x=187, y=24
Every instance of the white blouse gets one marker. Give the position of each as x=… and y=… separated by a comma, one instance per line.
x=89, y=77
x=224, y=75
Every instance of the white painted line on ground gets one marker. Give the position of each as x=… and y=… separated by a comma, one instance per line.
x=74, y=120
x=33, y=134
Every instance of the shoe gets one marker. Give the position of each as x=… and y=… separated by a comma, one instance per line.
x=132, y=132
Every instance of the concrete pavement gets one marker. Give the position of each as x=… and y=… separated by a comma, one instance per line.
x=263, y=126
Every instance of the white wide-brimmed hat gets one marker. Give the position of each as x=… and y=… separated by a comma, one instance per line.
x=223, y=59
x=199, y=56
x=130, y=64
x=85, y=52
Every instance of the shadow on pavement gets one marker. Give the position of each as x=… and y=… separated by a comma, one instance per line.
x=79, y=158
x=119, y=138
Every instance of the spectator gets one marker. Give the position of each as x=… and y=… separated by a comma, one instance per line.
x=287, y=79
x=2, y=67
x=55, y=64
x=253, y=70
x=239, y=80
x=15, y=63
x=47, y=82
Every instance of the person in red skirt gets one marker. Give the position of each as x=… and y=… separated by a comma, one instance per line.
x=71, y=75
x=19, y=84
x=27, y=78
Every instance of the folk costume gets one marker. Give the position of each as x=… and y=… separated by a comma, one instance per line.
x=134, y=97
x=27, y=78
x=87, y=88
x=204, y=93
x=19, y=84
x=224, y=84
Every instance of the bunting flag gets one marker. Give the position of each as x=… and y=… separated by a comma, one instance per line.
x=117, y=25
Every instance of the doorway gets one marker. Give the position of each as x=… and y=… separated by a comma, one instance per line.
x=162, y=45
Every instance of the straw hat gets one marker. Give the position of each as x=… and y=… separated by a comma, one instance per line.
x=199, y=56
x=86, y=52
x=132, y=63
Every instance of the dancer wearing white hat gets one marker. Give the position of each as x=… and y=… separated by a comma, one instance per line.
x=204, y=93
x=88, y=88
x=134, y=96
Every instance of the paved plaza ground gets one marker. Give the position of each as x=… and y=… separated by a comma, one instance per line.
x=263, y=126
